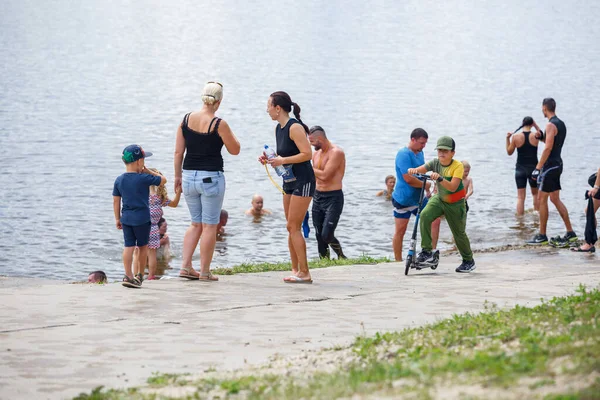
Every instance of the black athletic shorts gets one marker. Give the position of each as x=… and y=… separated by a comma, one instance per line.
x=549, y=179
x=298, y=188
x=523, y=175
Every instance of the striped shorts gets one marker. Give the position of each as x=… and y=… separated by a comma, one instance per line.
x=299, y=188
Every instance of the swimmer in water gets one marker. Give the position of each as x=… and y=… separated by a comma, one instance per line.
x=390, y=182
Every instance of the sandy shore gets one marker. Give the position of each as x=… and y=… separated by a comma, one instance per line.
x=59, y=339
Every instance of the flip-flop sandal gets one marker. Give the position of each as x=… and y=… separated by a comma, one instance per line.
x=131, y=283
x=296, y=279
x=185, y=273
x=208, y=277
x=580, y=250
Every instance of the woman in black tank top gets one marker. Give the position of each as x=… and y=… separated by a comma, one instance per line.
x=200, y=137
x=526, y=145
x=294, y=152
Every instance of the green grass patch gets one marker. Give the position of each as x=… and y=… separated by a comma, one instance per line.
x=112, y=394
x=493, y=349
x=158, y=379
x=590, y=393
x=286, y=266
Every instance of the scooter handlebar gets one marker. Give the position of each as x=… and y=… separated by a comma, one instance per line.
x=422, y=177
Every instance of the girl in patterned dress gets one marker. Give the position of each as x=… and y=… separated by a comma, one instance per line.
x=157, y=200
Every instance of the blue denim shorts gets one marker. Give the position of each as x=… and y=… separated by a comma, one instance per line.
x=204, y=192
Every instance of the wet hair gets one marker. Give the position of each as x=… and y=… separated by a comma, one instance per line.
x=99, y=276
x=387, y=178
x=283, y=100
x=419, y=133
x=527, y=121
x=160, y=222
x=317, y=130
x=212, y=93
x=161, y=190
x=549, y=103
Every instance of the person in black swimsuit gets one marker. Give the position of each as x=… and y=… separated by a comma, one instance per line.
x=293, y=152
x=548, y=171
x=526, y=145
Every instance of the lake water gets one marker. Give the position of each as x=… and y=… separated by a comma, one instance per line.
x=81, y=80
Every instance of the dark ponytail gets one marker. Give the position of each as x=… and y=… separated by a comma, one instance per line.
x=297, y=115
x=283, y=100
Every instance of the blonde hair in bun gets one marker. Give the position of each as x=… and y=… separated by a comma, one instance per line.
x=212, y=93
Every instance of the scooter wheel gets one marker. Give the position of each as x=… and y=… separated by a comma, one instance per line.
x=409, y=260
x=434, y=266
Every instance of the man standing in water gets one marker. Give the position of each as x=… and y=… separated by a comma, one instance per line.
x=548, y=171
x=329, y=164
x=407, y=192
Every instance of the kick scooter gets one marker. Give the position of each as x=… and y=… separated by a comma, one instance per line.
x=411, y=259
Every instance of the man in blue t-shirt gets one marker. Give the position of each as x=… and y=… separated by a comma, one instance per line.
x=405, y=197
x=133, y=189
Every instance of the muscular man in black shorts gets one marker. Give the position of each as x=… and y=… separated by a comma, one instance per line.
x=548, y=171
x=329, y=164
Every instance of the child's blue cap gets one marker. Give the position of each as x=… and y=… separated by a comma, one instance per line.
x=133, y=152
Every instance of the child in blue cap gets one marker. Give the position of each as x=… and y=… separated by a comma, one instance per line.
x=132, y=189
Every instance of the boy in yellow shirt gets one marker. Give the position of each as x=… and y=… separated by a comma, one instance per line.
x=449, y=202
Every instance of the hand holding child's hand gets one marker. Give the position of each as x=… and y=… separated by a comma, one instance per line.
x=118, y=223
x=177, y=184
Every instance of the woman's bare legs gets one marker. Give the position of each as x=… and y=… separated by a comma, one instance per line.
x=190, y=241
x=208, y=241
x=296, y=210
x=293, y=256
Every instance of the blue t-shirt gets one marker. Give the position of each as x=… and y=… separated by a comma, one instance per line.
x=403, y=193
x=134, y=190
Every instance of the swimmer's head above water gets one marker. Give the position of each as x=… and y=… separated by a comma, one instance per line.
x=390, y=182
x=162, y=226
x=257, y=203
x=223, y=218
x=97, y=277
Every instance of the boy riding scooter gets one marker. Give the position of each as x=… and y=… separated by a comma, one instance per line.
x=450, y=202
